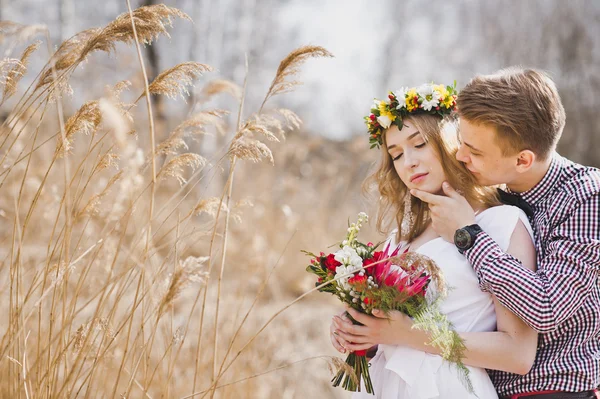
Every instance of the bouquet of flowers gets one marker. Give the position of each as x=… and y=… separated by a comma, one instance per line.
x=367, y=279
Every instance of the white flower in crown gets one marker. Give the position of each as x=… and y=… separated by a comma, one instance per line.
x=375, y=104
x=401, y=96
x=384, y=121
x=431, y=98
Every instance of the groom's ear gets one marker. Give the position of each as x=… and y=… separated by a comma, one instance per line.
x=525, y=160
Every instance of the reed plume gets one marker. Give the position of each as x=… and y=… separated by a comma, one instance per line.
x=14, y=75
x=176, y=80
x=288, y=67
x=174, y=168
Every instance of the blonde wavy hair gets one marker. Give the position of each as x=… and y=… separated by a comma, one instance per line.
x=441, y=134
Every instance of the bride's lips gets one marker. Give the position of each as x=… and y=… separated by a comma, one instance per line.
x=418, y=177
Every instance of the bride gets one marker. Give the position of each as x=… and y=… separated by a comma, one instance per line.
x=418, y=144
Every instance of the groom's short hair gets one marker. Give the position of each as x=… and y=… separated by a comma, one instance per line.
x=523, y=106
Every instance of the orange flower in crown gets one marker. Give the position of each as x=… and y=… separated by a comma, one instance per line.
x=426, y=99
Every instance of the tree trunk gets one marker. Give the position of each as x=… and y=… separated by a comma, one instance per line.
x=152, y=71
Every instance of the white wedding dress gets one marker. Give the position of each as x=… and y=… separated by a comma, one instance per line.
x=399, y=372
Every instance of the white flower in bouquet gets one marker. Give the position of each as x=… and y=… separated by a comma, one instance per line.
x=348, y=256
x=350, y=261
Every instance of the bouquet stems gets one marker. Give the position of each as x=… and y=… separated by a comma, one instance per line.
x=358, y=362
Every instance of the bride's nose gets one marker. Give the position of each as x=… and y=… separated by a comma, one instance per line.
x=410, y=160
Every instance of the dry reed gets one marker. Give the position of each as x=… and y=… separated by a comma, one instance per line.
x=98, y=284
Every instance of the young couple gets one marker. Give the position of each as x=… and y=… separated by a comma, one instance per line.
x=525, y=283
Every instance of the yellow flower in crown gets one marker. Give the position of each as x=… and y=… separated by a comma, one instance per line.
x=386, y=117
x=441, y=90
x=412, y=100
x=426, y=99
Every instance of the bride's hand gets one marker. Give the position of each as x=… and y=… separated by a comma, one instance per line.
x=394, y=329
x=338, y=342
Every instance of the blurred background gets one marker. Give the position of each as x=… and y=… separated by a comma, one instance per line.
x=305, y=200
x=377, y=46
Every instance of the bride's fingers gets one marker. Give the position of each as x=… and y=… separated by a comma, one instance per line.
x=349, y=327
x=338, y=342
x=357, y=339
x=359, y=347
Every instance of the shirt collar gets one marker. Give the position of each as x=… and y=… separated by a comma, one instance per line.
x=547, y=183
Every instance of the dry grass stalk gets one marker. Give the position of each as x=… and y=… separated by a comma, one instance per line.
x=19, y=33
x=192, y=126
x=150, y=22
x=288, y=67
x=209, y=206
x=119, y=87
x=221, y=86
x=190, y=270
x=86, y=120
x=250, y=150
x=171, y=146
x=335, y=364
x=91, y=208
x=107, y=161
x=174, y=168
x=194, y=268
x=114, y=118
x=67, y=55
x=114, y=94
x=238, y=208
x=18, y=71
x=198, y=122
x=175, y=81
x=293, y=120
x=262, y=124
x=7, y=65
x=85, y=329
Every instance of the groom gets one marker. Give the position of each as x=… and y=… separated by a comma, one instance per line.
x=510, y=123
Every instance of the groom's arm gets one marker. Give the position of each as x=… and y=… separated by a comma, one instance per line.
x=566, y=274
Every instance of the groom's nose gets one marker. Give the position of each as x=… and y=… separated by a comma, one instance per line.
x=462, y=154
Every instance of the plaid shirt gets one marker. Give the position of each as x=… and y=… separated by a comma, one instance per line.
x=561, y=300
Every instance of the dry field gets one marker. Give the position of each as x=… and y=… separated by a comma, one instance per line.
x=133, y=264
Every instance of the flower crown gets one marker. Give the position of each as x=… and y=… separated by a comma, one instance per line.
x=426, y=99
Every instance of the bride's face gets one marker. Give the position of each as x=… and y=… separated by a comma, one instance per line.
x=414, y=159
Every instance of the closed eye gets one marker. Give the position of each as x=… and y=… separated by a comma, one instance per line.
x=397, y=157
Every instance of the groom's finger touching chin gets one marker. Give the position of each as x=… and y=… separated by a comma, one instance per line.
x=425, y=196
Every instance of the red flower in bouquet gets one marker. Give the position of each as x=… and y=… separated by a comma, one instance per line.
x=419, y=286
x=330, y=263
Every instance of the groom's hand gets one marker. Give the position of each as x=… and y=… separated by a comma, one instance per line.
x=448, y=213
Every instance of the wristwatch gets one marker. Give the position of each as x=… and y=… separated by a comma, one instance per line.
x=464, y=238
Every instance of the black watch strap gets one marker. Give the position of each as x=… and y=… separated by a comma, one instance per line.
x=464, y=238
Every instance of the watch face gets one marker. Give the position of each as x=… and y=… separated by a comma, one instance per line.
x=462, y=238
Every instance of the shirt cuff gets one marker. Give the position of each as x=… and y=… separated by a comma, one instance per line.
x=481, y=256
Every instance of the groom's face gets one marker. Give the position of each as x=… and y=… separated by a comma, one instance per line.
x=482, y=155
